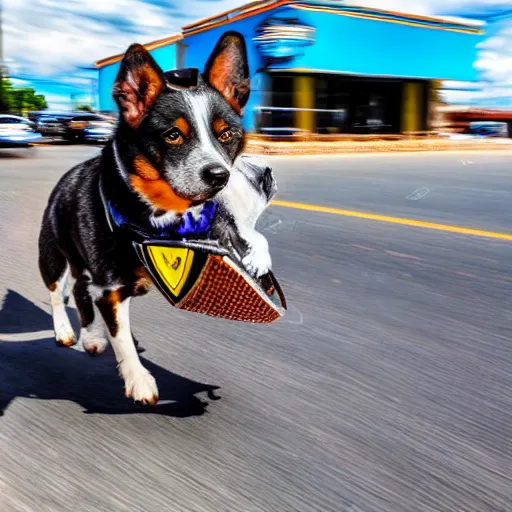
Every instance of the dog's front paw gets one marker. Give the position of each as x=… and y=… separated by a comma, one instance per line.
x=140, y=385
x=257, y=261
x=64, y=334
x=93, y=343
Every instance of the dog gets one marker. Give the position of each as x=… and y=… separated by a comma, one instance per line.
x=173, y=150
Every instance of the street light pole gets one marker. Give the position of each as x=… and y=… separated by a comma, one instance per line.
x=3, y=69
x=2, y=96
x=1, y=37
x=93, y=83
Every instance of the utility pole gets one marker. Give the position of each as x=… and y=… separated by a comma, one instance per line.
x=1, y=36
x=3, y=106
x=93, y=84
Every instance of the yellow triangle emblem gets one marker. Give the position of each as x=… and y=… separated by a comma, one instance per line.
x=172, y=264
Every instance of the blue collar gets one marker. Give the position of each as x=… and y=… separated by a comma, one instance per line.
x=188, y=225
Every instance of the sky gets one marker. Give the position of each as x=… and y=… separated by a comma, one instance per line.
x=48, y=43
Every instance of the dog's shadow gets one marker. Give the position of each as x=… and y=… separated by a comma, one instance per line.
x=39, y=369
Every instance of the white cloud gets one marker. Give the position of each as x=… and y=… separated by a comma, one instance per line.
x=494, y=63
x=495, y=57
x=488, y=96
x=45, y=37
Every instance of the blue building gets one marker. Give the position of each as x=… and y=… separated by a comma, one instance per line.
x=327, y=67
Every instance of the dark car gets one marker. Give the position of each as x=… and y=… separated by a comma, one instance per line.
x=49, y=126
x=76, y=127
x=73, y=126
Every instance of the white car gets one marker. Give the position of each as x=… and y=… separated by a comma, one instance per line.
x=16, y=131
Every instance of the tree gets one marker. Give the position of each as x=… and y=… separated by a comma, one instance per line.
x=4, y=107
x=19, y=100
x=85, y=108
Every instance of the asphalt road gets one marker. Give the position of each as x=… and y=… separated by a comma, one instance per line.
x=387, y=388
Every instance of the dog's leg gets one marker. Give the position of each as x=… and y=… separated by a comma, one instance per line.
x=139, y=383
x=55, y=273
x=64, y=334
x=92, y=333
x=257, y=259
x=67, y=287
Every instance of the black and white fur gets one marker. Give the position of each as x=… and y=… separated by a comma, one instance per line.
x=250, y=189
x=173, y=149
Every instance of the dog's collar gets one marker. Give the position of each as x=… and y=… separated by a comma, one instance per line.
x=187, y=225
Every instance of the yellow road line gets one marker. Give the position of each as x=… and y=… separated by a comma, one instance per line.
x=394, y=220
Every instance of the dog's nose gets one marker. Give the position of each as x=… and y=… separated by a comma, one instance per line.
x=216, y=176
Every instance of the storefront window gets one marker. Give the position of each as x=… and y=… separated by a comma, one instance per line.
x=282, y=91
x=278, y=118
x=342, y=104
x=332, y=100
x=357, y=105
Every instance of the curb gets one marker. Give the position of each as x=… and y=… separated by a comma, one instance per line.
x=303, y=148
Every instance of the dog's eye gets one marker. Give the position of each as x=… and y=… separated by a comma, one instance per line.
x=226, y=135
x=173, y=136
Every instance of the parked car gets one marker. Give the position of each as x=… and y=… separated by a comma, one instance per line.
x=49, y=126
x=76, y=126
x=98, y=131
x=488, y=129
x=9, y=119
x=16, y=131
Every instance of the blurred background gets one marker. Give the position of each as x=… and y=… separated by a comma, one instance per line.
x=329, y=68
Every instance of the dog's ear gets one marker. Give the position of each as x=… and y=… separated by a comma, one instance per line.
x=139, y=82
x=227, y=70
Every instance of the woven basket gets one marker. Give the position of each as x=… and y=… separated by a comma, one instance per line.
x=204, y=278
